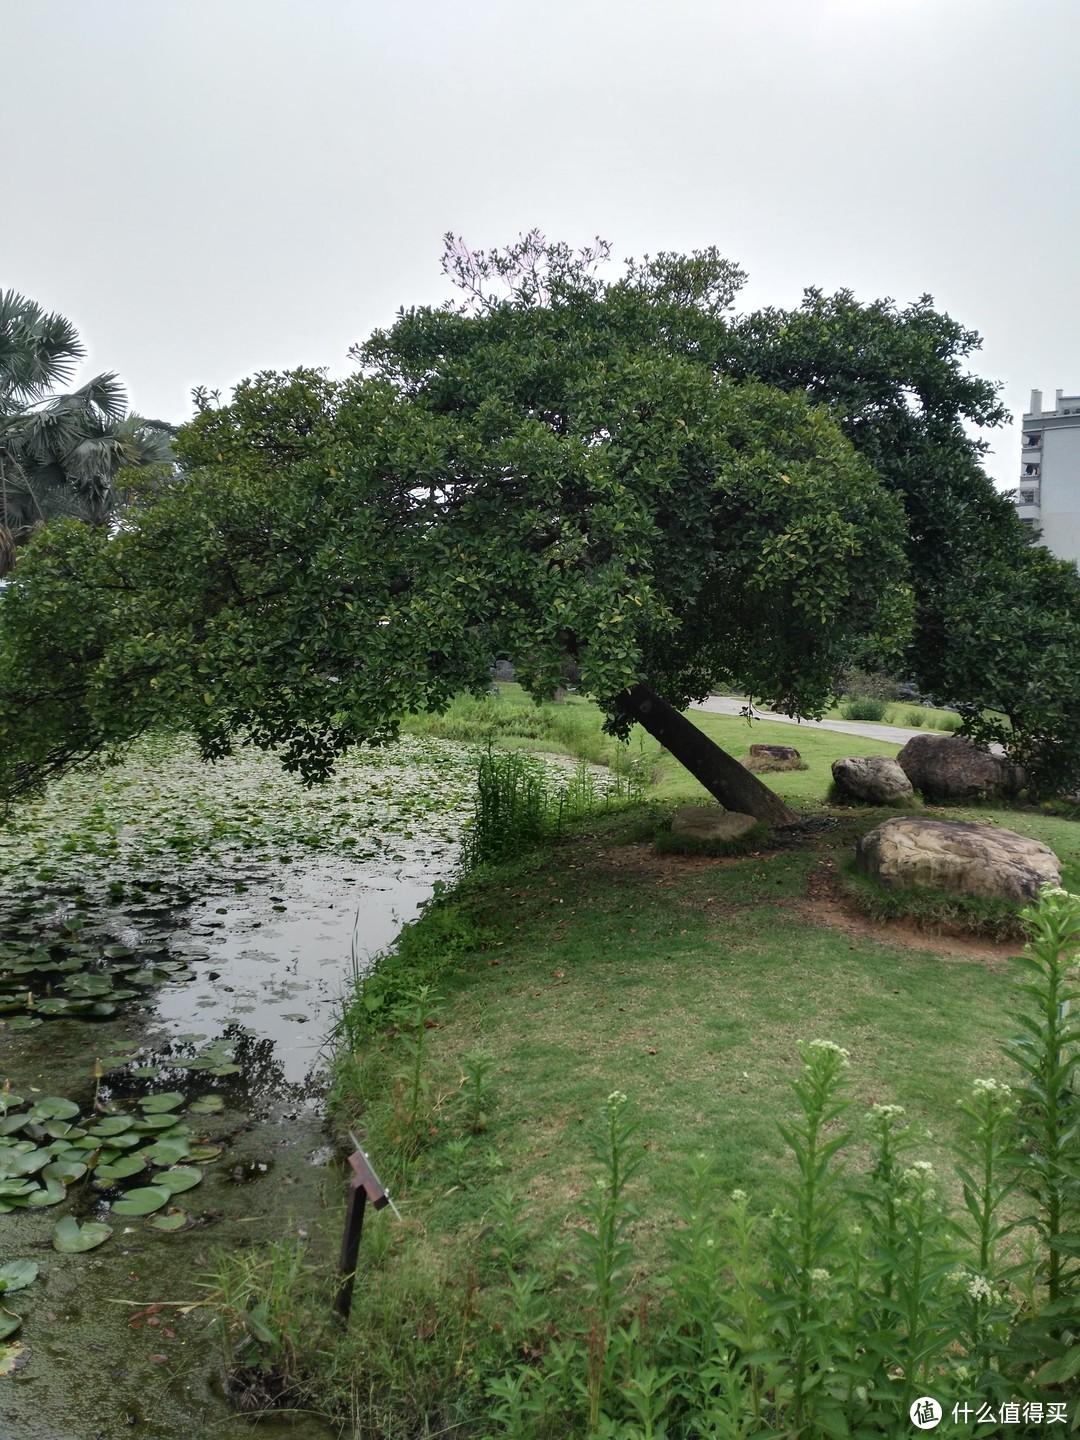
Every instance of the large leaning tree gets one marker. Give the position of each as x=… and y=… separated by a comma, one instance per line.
x=555, y=468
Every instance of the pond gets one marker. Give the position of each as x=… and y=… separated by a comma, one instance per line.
x=175, y=940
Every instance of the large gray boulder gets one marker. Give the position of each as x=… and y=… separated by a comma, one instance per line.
x=874, y=778
x=912, y=852
x=706, y=822
x=947, y=768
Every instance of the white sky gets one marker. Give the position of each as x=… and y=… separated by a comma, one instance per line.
x=212, y=187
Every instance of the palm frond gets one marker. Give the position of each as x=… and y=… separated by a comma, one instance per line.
x=37, y=350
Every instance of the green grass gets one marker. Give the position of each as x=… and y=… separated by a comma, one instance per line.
x=689, y=985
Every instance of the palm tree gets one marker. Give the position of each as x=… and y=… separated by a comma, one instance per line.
x=61, y=454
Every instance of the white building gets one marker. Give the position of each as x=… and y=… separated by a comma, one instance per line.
x=1048, y=499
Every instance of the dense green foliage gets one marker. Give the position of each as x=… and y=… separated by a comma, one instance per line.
x=620, y=474
x=344, y=552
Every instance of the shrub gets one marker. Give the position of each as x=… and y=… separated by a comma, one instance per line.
x=520, y=804
x=863, y=707
x=915, y=718
x=949, y=721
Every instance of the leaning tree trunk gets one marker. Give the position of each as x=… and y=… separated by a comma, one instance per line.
x=732, y=784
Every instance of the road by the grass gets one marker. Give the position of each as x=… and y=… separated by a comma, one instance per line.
x=891, y=734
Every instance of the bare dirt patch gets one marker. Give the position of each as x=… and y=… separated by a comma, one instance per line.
x=828, y=906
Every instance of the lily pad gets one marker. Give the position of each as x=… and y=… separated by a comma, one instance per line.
x=172, y=1220
x=204, y=1153
x=112, y=1125
x=168, y=1152
x=179, y=1179
x=152, y=1124
x=52, y=1194
x=9, y=1323
x=62, y=1130
x=15, y=1163
x=207, y=1105
x=17, y=1274
x=66, y=1171
x=121, y=1168
x=158, y=1104
x=24, y=1022
x=143, y=1201
x=53, y=1107
x=14, y=1356
x=225, y=1070
x=71, y=1238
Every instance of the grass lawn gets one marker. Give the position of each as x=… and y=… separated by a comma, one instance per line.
x=536, y=993
x=687, y=983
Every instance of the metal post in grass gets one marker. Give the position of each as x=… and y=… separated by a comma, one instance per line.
x=364, y=1185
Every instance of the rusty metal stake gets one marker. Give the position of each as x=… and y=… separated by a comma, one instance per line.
x=364, y=1185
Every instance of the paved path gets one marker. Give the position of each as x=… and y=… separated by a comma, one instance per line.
x=891, y=734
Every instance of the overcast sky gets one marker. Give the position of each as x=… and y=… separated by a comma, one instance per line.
x=212, y=187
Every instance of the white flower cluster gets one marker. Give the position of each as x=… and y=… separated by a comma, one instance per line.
x=831, y=1046
x=616, y=1098
x=739, y=1196
x=979, y=1288
x=820, y=1277
x=992, y=1087
x=918, y=1172
x=888, y=1112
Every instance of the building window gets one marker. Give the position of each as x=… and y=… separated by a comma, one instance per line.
x=1031, y=469
x=1033, y=440
x=1028, y=521
x=1027, y=497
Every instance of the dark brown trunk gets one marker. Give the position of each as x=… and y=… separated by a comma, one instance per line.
x=731, y=783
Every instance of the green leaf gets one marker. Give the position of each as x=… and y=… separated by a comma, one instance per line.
x=207, y=1105
x=173, y=1220
x=111, y=1125
x=179, y=1179
x=158, y=1104
x=152, y=1123
x=17, y=1274
x=64, y=1171
x=167, y=1152
x=1060, y=1369
x=71, y=1238
x=53, y=1107
x=52, y=1194
x=121, y=1168
x=142, y=1201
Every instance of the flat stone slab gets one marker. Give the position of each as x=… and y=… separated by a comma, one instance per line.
x=911, y=852
x=776, y=752
x=706, y=822
x=876, y=779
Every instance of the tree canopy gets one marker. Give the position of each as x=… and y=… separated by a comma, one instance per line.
x=622, y=474
x=61, y=454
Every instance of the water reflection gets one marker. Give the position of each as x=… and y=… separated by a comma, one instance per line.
x=277, y=958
